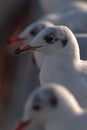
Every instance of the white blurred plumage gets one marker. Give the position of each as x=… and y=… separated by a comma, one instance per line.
x=72, y=15
x=55, y=108
x=61, y=5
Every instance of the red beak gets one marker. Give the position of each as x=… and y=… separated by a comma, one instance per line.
x=16, y=46
x=23, y=125
x=13, y=43
x=25, y=48
x=15, y=40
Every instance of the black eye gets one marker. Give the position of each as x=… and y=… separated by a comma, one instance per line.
x=33, y=33
x=64, y=42
x=36, y=107
x=50, y=39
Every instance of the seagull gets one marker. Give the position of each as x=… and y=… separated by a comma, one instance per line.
x=30, y=32
x=55, y=107
x=62, y=62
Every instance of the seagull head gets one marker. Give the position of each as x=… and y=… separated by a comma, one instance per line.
x=32, y=30
x=27, y=36
x=53, y=39
x=47, y=104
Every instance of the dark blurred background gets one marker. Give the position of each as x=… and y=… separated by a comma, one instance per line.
x=17, y=74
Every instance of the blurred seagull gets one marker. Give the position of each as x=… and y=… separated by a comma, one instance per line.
x=55, y=107
x=30, y=33
x=62, y=62
x=61, y=6
x=72, y=15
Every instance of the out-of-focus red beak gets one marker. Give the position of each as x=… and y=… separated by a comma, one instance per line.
x=23, y=125
x=13, y=43
x=15, y=40
x=25, y=48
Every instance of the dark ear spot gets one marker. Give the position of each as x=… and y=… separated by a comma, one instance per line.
x=36, y=107
x=64, y=42
x=53, y=101
x=33, y=33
